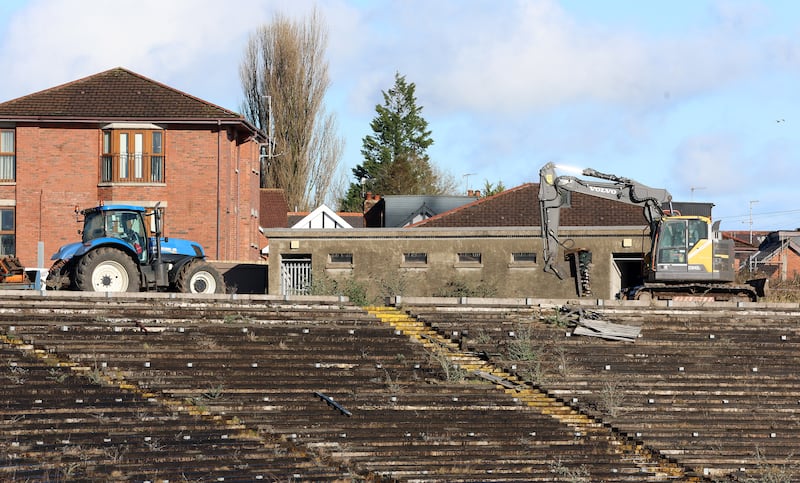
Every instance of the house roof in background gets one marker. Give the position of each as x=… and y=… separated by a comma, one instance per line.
x=116, y=94
x=775, y=243
x=399, y=209
x=355, y=220
x=321, y=217
x=273, y=208
x=519, y=206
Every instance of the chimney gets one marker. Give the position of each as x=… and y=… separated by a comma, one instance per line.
x=370, y=201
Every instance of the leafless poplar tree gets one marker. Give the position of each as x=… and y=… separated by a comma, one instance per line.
x=284, y=77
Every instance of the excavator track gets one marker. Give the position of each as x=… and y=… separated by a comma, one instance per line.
x=694, y=292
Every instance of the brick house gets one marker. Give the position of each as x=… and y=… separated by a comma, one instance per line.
x=119, y=137
x=777, y=257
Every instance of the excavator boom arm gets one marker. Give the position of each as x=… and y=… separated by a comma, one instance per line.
x=552, y=189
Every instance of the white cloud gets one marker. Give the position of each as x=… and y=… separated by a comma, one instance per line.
x=713, y=162
x=505, y=85
x=523, y=56
x=183, y=43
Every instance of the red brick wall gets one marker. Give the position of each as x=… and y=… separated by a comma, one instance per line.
x=53, y=178
x=791, y=261
x=58, y=169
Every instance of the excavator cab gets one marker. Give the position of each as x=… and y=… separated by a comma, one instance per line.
x=686, y=248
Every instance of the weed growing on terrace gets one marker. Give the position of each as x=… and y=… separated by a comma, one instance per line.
x=17, y=374
x=354, y=290
x=535, y=373
x=557, y=319
x=214, y=392
x=392, y=385
x=571, y=475
x=56, y=375
x=611, y=397
x=231, y=318
x=482, y=337
x=95, y=377
x=772, y=473
x=116, y=454
x=562, y=357
x=523, y=347
x=452, y=371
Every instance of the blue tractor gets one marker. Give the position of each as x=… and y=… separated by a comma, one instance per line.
x=117, y=254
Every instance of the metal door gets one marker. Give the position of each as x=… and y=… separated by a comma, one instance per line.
x=295, y=274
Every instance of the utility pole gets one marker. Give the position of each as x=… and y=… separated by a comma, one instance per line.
x=751, y=220
x=693, y=188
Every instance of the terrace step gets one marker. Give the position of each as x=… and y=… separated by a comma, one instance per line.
x=532, y=397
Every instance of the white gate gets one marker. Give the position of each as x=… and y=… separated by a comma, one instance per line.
x=296, y=275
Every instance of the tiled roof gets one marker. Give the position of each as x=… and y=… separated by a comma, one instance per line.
x=116, y=94
x=273, y=208
x=356, y=220
x=519, y=206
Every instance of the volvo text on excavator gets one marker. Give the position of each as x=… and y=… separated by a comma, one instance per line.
x=687, y=256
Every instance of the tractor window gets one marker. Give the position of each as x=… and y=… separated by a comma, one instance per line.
x=128, y=227
x=93, y=226
x=125, y=225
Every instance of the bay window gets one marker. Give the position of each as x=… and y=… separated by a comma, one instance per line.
x=132, y=156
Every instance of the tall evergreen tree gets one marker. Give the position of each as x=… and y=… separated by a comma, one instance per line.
x=395, y=155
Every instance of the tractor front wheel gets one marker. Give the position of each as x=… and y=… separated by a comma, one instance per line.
x=199, y=277
x=106, y=270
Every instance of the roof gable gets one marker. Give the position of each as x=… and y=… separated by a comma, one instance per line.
x=116, y=94
x=422, y=213
x=322, y=217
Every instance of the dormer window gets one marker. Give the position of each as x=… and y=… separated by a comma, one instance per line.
x=132, y=155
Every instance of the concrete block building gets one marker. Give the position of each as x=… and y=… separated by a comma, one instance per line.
x=494, y=243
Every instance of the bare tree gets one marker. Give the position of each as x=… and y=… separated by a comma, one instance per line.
x=284, y=77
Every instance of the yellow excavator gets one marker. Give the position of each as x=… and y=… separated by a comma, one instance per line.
x=687, y=256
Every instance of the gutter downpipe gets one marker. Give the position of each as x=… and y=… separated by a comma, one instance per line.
x=219, y=169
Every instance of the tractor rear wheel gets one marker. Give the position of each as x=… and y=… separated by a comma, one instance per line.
x=106, y=270
x=199, y=277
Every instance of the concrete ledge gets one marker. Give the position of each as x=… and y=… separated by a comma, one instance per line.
x=66, y=294
x=585, y=302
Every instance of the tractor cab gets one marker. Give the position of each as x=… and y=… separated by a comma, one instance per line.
x=123, y=223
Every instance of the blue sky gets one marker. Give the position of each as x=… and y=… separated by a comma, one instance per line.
x=698, y=97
